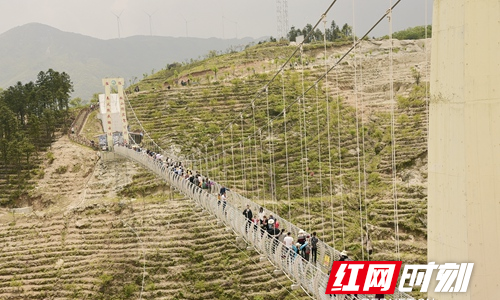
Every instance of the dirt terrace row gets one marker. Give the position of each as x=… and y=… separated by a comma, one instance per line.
x=186, y=254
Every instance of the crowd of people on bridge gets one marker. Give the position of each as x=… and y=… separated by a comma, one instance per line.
x=178, y=168
x=262, y=223
x=304, y=245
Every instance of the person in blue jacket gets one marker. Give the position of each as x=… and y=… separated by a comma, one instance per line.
x=302, y=250
x=295, y=251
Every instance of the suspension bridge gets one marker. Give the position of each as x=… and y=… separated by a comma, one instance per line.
x=253, y=147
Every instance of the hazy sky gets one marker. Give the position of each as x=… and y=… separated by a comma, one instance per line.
x=204, y=18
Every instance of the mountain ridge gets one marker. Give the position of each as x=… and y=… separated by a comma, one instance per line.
x=28, y=49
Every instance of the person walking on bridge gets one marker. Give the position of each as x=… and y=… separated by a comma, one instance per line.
x=222, y=190
x=314, y=247
x=288, y=240
x=223, y=199
x=273, y=233
x=248, y=216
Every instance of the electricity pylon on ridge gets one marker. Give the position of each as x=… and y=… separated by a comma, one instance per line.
x=282, y=18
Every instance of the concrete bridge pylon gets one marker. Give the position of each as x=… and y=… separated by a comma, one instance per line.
x=464, y=143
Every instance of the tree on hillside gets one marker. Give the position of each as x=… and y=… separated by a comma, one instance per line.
x=31, y=113
x=346, y=31
x=41, y=106
x=8, y=127
x=412, y=33
x=76, y=102
x=56, y=89
x=318, y=35
x=211, y=54
x=95, y=99
x=333, y=33
x=215, y=70
x=21, y=100
x=293, y=33
x=305, y=31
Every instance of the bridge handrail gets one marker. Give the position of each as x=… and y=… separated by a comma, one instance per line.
x=78, y=123
x=312, y=278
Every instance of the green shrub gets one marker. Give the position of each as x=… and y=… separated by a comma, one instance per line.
x=61, y=170
x=105, y=281
x=50, y=157
x=412, y=33
x=129, y=290
x=76, y=168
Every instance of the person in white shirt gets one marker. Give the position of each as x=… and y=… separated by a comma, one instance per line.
x=261, y=214
x=288, y=240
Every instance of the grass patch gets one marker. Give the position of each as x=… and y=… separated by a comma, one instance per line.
x=61, y=170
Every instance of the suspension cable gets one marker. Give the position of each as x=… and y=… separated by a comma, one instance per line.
x=393, y=138
x=270, y=170
x=306, y=163
x=224, y=164
x=256, y=152
x=357, y=130
x=320, y=166
x=213, y=158
x=250, y=158
x=327, y=71
x=309, y=34
x=206, y=163
x=142, y=127
x=302, y=155
x=364, y=155
x=324, y=75
x=273, y=168
x=341, y=181
x=330, y=167
x=263, y=168
x=286, y=147
x=332, y=67
x=270, y=275
x=199, y=166
x=232, y=155
x=243, y=159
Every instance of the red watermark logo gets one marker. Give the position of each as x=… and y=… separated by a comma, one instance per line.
x=380, y=277
x=362, y=277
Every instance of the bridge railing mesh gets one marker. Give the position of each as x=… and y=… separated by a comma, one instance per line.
x=312, y=277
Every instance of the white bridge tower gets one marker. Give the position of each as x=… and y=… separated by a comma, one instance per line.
x=464, y=143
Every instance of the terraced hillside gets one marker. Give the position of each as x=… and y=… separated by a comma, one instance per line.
x=220, y=125
x=100, y=252
x=120, y=233
x=103, y=228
